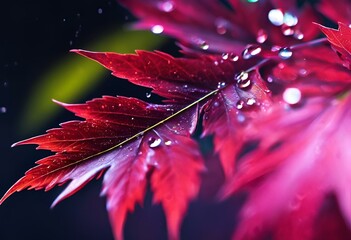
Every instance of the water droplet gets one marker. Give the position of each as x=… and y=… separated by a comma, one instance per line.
x=251, y=51
x=285, y=53
x=292, y=95
x=168, y=142
x=233, y=57
x=240, y=104
x=221, y=26
x=287, y=31
x=157, y=29
x=166, y=6
x=215, y=63
x=148, y=95
x=154, y=142
x=270, y=79
x=216, y=104
x=261, y=36
x=298, y=35
x=221, y=85
x=3, y=110
x=203, y=45
x=290, y=19
x=276, y=17
x=243, y=80
x=225, y=56
x=100, y=11
x=250, y=101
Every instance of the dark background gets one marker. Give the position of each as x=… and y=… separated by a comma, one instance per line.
x=34, y=35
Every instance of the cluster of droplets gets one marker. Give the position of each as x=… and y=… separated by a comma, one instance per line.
x=157, y=142
x=230, y=56
x=287, y=21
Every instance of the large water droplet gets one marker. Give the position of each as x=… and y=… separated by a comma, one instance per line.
x=251, y=51
x=157, y=29
x=285, y=53
x=261, y=36
x=276, y=17
x=290, y=19
x=154, y=142
x=292, y=96
x=166, y=6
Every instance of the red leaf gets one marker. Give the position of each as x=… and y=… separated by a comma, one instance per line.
x=297, y=168
x=340, y=40
x=85, y=149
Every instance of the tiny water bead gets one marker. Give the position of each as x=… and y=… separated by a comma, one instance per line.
x=154, y=142
x=168, y=142
x=221, y=85
x=157, y=29
x=261, y=36
x=148, y=95
x=221, y=26
x=240, y=104
x=287, y=31
x=251, y=51
x=285, y=53
x=292, y=96
x=3, y=109
x=203, y=45
x=166, y=6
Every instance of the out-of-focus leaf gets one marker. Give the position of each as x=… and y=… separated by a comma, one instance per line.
x=73, y=77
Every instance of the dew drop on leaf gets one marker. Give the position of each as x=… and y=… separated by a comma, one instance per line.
x=157, y=29
x=240, y=104
x=261, y=36
x=225, y=56
x=251, y=51
x=285, y=53
x=290, y=19
x=204, y=45
x=221, y=26
x=166, y=6
x=233, y=57
x=250, y=101
x=292, y=96
x=221, y=85
x=287, y=31
x=276, y=17
x=298, y=35
x=154, y=142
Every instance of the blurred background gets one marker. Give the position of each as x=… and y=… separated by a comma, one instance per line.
x=35, y=67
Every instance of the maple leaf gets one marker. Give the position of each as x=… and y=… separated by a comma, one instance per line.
x=250, y=73
x=340, y=40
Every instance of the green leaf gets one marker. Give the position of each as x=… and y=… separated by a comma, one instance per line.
x=73, y=77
